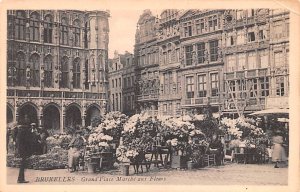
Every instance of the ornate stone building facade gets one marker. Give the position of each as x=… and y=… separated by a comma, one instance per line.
x=57, y=66
x=129, y=79
x=146, y=54
x=115, y=70
x=233, y=60
x=256, y=71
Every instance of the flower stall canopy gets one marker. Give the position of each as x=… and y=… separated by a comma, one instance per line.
x=271, y=112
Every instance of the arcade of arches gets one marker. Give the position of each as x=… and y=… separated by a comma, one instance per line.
x=51, y=116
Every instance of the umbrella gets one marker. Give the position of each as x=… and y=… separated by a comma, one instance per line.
x=267, y=112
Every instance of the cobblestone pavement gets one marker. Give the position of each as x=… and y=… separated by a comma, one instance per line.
x=229, y=174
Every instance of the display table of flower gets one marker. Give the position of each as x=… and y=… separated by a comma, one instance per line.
x=248, y=139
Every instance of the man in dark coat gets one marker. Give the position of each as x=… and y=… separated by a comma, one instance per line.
x=216, y=147
x=23, y=146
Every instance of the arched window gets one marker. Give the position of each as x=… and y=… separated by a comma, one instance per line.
x=35, y=70
x=64, y=73
x=34, y=27
x=76, y=33
x=48, y=80
x=86, y=35
x=20, y=28
x=21, y=69
x=64, y=31
x=48, y=24
x=76, y=73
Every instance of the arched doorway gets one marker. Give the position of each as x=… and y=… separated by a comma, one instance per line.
x=51, y=119
x=29, y=111
x=73, y=116
x=92, y=113
x=9, y=115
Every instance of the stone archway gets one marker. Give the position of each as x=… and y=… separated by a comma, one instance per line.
x=51, y=118
x=73, y=116
x=9, y=115
x=30, y=111
x=92, y=112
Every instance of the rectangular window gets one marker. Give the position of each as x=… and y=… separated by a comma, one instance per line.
x=177, y=55
x=112, y=83
x=213, y=23
x=169, y=56
x=116, y=81
x=241, y=84
x=120, y=82
x=20, y=28
x=239, y=14
x=213, y=48
x=187, y=29
x=166, y=83
x=278, y=59
x=278, y=31
x=202, y=86
x=240, y=37
x=241, y=61
x=252, y=60
x=253, y=92
x=232, y=89
x=251, y=37
x=200, y=26
x=229, y=41
x=214, y=84
x=201, y=52
x=251, y=12
x=188, y=54
x=190, y=87
x=262, y=34
x=264, y=58
x=264, y=86
x=280, y=86
x=231, y=62
x=34, y=30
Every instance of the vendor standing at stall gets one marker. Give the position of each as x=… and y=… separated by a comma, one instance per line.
x=216, y=147
x=74, y=150
x=36, y=139
x=44, y=135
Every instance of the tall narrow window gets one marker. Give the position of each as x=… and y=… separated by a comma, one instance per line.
x=251, y=37
x=20, y=29
x=264, y=86
x=76, y=33
x=48, y=80
x=48, y=29
x=264, y=58
x=188, y=54
x=86, y=75
x=187, y=29
x=202, y=86
x=86, y=35
x=278, y=59
x=252, y=60
x=280, y=86
x=231, y=63
x=76, y=73
x=213, y=47
x=200, y=52
x=64, y=32
x=253, y=92
x=64, y=73
x=21, y=69
x=34, y=27
x=35, y=70
x=213, y=23
x=241, y=61
x=232, y=90
x=190, y=87
x=214, y=80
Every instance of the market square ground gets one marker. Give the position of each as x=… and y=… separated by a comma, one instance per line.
x=229, y=174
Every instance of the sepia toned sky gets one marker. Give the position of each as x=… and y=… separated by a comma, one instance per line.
x=122, y=24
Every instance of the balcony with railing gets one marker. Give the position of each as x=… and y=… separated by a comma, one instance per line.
x=53, y=94
x=148, y=97
x=247, y=74
x=202, y=101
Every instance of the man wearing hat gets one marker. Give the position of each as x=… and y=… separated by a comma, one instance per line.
x=36, y=139
x=23, y=146
x=74, y=152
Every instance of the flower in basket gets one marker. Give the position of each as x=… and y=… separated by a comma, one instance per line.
x=103, y=144
x=174, y=142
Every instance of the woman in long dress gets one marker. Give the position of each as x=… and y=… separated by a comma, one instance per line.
x=74, y=151
x=278, y=154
